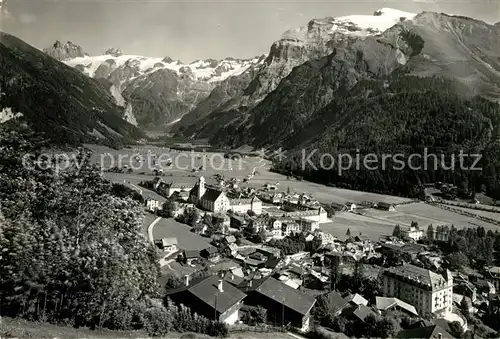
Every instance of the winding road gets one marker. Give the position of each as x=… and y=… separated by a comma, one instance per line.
x=150, y=229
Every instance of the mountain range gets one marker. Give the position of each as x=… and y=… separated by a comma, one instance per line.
x=388, y=81
x=264, y=101
x=156, y=91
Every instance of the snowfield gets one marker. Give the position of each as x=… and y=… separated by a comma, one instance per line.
x=382, y=19
x=205, y=70
x=356, y=25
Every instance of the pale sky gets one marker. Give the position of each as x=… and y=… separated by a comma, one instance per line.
x=190, y=30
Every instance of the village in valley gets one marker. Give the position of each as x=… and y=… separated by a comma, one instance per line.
x=265, y=252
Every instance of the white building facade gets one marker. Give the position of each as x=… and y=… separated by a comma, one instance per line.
x=430, y=293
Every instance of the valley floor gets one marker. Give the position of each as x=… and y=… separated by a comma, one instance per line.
x=369, y=222
x=214, y=163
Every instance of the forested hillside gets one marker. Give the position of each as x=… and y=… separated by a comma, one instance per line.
x=402, y=115
x=72, y=251
x=58, y=101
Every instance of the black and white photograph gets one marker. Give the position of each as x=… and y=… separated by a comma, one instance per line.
x=249, y=169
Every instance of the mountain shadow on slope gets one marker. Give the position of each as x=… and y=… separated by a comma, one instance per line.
x=57, y=100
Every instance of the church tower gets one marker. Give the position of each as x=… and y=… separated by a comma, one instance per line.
x=201, y=187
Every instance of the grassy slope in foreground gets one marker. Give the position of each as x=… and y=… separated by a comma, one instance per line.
x=17, y=328
x=58, y=100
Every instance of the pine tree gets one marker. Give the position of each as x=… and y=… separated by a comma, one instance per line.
x=397, y=231
x=430, y=232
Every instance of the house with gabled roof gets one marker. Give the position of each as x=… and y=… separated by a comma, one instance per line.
x=189, y=256
x=337, y=302
x=211, y=297
x=209, y=198
x=233, y=279
x=284, y=304
x=358, y=312
x=153, y=205
x=167, y=244
x=229, y=239
x=211, y=253
x=253, y=204
x=356, y=299
x=339, y=207
x=385, y=206
x=214, y=200
x=168, y=188
x=238, y=222
x=290, y=227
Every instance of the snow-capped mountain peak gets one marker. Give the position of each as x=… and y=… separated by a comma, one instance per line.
x=355, y=26
x=154, y=90
x=380, y=21
x=209, y=70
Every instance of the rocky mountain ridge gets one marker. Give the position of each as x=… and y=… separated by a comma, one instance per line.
x=56, y=100
x=430, y=44
x=296, y=46
x=155, y=91
x=64, y=51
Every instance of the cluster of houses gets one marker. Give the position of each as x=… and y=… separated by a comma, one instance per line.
x=213, y=198
x=218, y=196
x=297, y=214
x=282, y=284
x=262, y=276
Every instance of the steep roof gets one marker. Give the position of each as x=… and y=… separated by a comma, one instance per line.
x=272, y=262
x=417, y=275
x=208, y=292
x=210, y=250
x=286, y=295
x=386, y=303
x=384, y=204
x=189, y=254
x=233, y=279
x=356, y=299
x=242, y=201
x=239, y=218
x=362, y=311
x=246, y=251
x=230, y=239
x=429, y=332
x=336, y=301
x=169, y=241
x=212, y=194
x=338, y=206
x=187, y=182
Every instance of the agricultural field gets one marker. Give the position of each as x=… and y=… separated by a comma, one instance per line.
x=443, y=217
x=357, y=224
x=486, y=214
x=397, y=217
x=374, y=223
